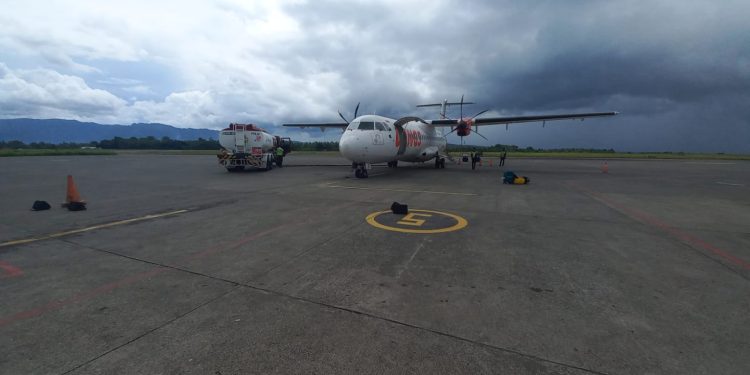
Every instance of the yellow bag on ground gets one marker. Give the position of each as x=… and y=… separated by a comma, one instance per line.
x=519, y=181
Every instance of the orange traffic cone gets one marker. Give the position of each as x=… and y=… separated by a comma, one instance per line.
x=605, y=167
x=73, y=199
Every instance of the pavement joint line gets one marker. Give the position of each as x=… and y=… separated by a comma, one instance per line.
x=127, y=280
x=148, y=332
x=399, y=190
x=93, y=227
x=317, y=303
x=419, y=328
x=302, y=299
x=728, y=183
x=305, y=251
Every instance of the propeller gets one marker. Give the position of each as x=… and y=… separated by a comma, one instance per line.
x=463, y=126
x=355, y=114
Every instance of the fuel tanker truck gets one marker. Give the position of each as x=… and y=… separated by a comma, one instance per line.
x=248, y=146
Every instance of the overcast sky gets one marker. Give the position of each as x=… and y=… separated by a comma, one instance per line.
x=678, y=71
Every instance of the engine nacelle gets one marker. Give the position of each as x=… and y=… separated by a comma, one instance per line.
x=464, y=127
x=463, y=131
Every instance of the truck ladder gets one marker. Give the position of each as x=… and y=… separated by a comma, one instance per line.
x=239, y=138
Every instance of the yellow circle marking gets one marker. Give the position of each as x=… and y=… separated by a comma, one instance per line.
x=460, y=223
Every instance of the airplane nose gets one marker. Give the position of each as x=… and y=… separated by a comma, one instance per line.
x=345, y=146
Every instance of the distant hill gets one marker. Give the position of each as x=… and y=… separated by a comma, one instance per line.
x=58, y=131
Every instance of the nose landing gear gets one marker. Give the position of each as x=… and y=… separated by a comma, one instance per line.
x=360, y=170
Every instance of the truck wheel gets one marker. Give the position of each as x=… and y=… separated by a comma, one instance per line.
x=269, y=164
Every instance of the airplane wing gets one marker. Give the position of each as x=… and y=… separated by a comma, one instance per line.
x=322, y=126
x=519, y=119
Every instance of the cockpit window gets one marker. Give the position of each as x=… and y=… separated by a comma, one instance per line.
x=380, y=126
x=366, y=125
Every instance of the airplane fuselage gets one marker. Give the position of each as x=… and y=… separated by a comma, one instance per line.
x=378, y=139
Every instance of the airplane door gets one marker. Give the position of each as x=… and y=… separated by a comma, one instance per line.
x=400, y=140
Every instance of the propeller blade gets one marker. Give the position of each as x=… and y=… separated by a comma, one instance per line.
x=343, y=118
x=479, y=113
x=477, y=133
x=449, y=133
x=356, y=110
x=462, y=106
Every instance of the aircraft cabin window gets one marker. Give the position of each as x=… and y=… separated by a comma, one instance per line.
x=380, y=126
x=366, y=125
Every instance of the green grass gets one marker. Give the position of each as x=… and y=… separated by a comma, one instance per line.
x=613, y=155
x=5, y=152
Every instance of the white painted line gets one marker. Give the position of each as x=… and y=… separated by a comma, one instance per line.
x=728, y=183
x=708, y=163
x=81, y=230
x=400, y=190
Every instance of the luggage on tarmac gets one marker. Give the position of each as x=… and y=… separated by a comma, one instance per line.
x=511, y=178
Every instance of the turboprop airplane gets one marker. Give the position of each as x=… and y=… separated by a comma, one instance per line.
x=372, y=139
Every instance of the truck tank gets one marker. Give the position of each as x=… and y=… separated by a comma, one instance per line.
x=246, y=145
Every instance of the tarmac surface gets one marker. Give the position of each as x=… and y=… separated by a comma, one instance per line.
x=178, y=266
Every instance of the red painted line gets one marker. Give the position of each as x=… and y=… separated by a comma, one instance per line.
x=673, y=231
x=10, y=270
x=54, y=305
x=242, y=241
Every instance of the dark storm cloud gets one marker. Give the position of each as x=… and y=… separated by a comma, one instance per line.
x=674, y=69
x=679, y=72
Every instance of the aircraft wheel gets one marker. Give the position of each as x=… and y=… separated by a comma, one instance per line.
x=358, y=173
x=364, y=173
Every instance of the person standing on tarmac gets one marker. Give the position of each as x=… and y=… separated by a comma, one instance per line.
x=279, y=156
x=502, y=158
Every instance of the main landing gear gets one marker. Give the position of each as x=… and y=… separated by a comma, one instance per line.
x=393, y=164
x=439, y=162
x=360, y=170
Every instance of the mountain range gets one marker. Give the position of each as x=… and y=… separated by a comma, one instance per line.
x=59, y=131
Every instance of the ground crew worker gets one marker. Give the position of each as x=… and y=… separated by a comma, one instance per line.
x=279, y=156
x=502, y=158
x=473, y=161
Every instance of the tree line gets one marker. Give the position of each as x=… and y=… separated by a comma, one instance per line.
x=153, y=143
x=120, y=143
x=514, y=148
x=166, y=143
